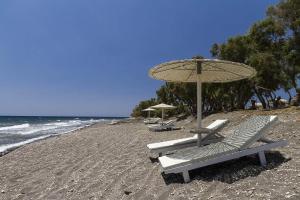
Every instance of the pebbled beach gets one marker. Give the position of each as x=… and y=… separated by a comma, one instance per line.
x=113, y=162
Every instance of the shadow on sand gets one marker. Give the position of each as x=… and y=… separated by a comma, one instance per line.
x=231, y=171
x=154, y=160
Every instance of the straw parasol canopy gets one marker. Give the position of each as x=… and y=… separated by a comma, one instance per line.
x=148, y=110
x=201, y=71
x=163, y=107
x=210, y=71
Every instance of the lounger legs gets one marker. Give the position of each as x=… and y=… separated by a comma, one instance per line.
x=186, y=176
x=262, y=158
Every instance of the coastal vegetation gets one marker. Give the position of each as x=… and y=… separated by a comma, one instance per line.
x=271, y=46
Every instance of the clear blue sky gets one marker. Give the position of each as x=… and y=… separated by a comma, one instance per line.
x=91, y=57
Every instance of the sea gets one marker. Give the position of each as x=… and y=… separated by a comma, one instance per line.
x=16, y=131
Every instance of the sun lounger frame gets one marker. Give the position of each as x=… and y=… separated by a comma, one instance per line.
x=182, y=145
x=260, y=150
x=152, y=120
x=190, y=141
x=169, y=125
x=244, y=149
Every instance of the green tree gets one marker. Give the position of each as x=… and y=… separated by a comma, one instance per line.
x=137, y=111
x=272, y=47
x=287, y=15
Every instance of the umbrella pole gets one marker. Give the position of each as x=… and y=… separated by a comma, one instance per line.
x=162, y=116
x=199, y=102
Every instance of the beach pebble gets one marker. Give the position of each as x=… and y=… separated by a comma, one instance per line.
x=288, y=195
x=2, y=191
x=127, y=192
x=71, y=190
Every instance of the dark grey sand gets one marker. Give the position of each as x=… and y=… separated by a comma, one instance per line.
x=112, y=162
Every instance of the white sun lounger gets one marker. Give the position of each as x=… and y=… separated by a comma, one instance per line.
x=234, y=146
x=168, y=125
x=171, y=145
x=152, y=120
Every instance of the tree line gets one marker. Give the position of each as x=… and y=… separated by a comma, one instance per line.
x=271, y=46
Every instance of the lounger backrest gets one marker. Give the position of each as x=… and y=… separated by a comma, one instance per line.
x=169, y=122
x=249, y=131
x=219, y=123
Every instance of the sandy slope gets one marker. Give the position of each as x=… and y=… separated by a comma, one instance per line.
x=112, y=162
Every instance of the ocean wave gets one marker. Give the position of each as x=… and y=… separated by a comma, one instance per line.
x=21, y=126
x=7, y=147
x=35, y=130
x=27, y=129
x=43, y=130
x=68, y=123
x=56, y=126
x=98, y=120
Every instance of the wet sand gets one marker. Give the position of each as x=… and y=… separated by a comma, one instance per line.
x=112, y=162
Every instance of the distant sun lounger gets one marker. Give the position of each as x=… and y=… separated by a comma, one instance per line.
x=152, y=120
x=171, y=145
x=114, y=122
x=168, y=125
x=236, y=145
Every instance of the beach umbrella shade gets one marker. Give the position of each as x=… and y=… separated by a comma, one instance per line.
x=201, y=71
x=148, y=110
x=163, y=107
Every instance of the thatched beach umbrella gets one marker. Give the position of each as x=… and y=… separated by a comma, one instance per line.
x=163, y=107
x=201, y=71
x=148, y=110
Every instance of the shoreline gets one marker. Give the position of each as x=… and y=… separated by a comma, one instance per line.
x=5, y=149
x=112, y=162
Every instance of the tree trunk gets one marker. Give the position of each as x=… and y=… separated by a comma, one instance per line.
x=260, y=97
x=290, y=96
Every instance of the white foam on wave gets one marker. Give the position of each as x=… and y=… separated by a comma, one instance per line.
x=27, y=129
x=21, y=126
x=7, y=147
x=56, y=126
x=47, y=127
x=35, y=130
x=98, y=120
x=68, y=123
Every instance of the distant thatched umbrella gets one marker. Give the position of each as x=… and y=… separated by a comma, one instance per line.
x=163, y=106
x=148, y=110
